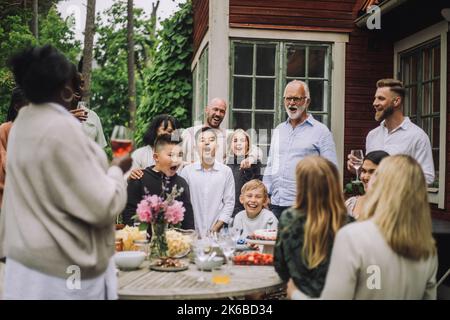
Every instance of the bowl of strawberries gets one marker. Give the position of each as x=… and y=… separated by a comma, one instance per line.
x=253, y=258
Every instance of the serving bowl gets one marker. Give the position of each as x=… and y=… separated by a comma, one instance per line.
x=209, y=264
x=129, y=260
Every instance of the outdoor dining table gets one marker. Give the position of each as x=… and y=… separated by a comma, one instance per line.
x=146, y=284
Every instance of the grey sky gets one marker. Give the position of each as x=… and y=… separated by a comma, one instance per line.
x=78, y=9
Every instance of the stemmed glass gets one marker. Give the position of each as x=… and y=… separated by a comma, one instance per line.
x=228, y=246
x=121, y=141
x=202, y=253
x=358, y=157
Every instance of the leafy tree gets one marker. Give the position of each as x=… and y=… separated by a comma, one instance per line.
x=15, y=34
x=109, y=81
x=168, y=85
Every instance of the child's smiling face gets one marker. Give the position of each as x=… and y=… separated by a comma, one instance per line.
x=253, y=201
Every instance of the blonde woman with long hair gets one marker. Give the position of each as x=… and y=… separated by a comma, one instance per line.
x=392, y=254
x=306, y=230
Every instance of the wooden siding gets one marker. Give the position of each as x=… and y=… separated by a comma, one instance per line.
x=331, y=15
x=201, y=21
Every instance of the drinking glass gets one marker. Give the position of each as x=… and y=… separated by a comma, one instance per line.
x=357, y=161
x=228, y=246
x=202, y=252
x=220, y=275
x=121, y=141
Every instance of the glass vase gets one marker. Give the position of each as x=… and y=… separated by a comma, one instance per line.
x=158, y=244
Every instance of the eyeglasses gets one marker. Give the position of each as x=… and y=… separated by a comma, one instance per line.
x=295, y=99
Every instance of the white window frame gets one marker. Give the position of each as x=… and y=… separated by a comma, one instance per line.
x=196, y=103
x=438, y=30
x=338, y=42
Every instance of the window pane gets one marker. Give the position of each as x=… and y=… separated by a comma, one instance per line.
x=316, y=64
x=426, y=64
x=243, y=59
x=436, y=61
x=435, y=137
x=295, y=61
x=436, y=96
x=242, y=93
x=406, y=66
x=321, y=118
x=242, y=120
x=265, y=93
x=426, y=126
x=413, y=97
x=265, y=60
x=414, y=68
x=436, y=165
x=316, y=88
x=426, y=92
x=263, y=121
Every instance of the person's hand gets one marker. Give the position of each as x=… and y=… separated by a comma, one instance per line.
x=217, y=226
x=291, y=288
x=247, y=163
x=350, y=162
x=80, y=114
x=124, y=163
x=136, y=174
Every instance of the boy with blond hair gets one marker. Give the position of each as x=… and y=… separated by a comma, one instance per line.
x=254, y=198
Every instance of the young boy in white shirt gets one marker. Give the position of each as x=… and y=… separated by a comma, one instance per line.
x=254, y=198
x=211, y=184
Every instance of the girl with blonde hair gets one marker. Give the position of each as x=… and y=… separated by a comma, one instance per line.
x=307, y=230
x=392, y=254
x=238, y=154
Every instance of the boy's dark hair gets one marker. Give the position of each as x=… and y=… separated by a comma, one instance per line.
x=41, y=72
x=165, y=139
x=152, y=131
x=204, y=129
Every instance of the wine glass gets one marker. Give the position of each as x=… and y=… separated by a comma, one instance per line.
x=121, y=141
x=228, y=246
x=357, y=161
x=202, y=253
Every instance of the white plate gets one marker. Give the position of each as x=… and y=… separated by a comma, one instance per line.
x=261, y=242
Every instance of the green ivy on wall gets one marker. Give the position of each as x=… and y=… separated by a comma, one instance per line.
x=168, y=84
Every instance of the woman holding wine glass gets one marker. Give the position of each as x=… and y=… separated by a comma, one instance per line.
x=61, y=197
x=370, y=164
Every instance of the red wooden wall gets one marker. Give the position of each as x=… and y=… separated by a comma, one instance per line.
x=201, y=21
x=330, y=15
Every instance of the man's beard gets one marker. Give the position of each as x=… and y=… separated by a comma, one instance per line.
x=386, y=113
x=297, y=115
x=210, y=120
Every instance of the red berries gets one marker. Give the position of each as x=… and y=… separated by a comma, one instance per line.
x=254, y=258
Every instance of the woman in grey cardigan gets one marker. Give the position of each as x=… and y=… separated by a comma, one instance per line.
x=61, y=199
x=392, y=254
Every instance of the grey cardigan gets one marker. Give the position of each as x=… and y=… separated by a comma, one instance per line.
x=60, y=200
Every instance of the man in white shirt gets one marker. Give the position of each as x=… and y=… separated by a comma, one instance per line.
x=211, y=184
x=396, y=134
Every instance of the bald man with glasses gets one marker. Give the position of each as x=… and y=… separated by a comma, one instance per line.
x=298, y=137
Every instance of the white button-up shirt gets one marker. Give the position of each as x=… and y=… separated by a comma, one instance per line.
x=408, y=139
x=212, y=194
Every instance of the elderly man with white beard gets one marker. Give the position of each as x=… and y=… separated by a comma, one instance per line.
x=298, y=137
